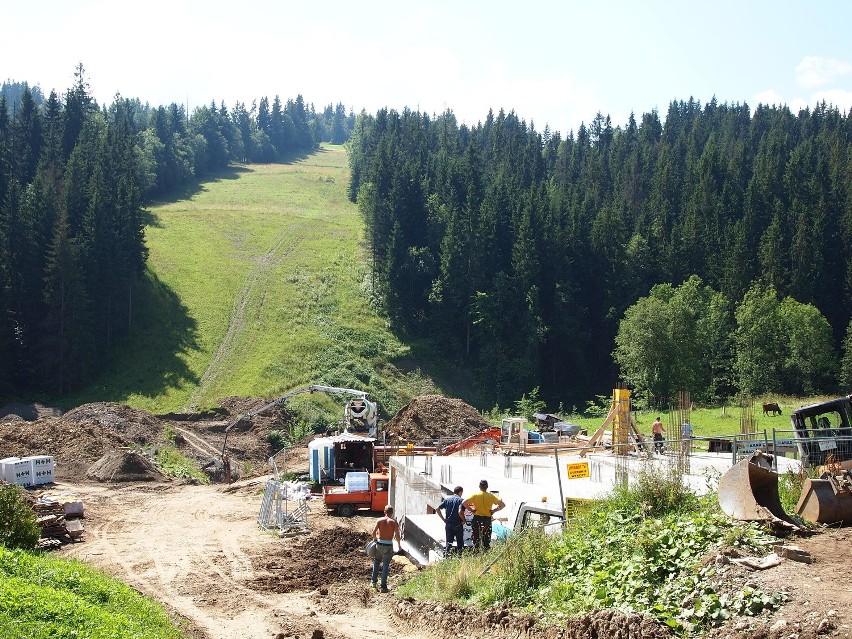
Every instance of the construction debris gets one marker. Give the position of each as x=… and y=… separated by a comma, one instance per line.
x=57, y=525
x=794, y=553
x=758, y=563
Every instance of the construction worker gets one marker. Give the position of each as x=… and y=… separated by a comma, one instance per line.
x=453, y=520
x=658, y=430
x=686, y=438
x=384, y=532
x=482, y=504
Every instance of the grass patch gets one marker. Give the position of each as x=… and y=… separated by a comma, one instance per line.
x=255, y=287
x=641, y=549
x=175, y=464
x=707, y=421
x=43, y=597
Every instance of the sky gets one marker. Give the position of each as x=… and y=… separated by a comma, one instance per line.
x=554, y=63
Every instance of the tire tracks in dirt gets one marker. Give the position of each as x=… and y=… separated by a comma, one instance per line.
x=176, y=549
x=195, y=548
x=198, y=444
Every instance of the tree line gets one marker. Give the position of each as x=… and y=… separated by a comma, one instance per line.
x=520, y=254
x=74, y=179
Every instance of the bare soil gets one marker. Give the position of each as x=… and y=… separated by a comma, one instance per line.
x=198, y=549
x=428, y=418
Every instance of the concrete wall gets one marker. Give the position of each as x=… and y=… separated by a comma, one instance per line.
x=411, y=491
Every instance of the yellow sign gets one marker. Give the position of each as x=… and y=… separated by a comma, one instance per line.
x=578, y=471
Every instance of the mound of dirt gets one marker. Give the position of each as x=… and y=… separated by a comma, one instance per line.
x=138, y=426
x=27, y=412
x=74, y=446
x=83, y=435
x=451, y=619
x=428, y=418
x=124, y=466
x=240, y=405
x=323, y=558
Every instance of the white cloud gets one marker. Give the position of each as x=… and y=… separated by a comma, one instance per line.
x=837, y=97
x=815, y=71
x=769, y=97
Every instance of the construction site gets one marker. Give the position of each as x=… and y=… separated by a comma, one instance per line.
x=257, y=553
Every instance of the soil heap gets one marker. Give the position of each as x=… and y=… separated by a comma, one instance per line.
x=73, y=445
x=137, y=426
x=323, y=558
x=82, y=436
x=430, y=418
x=124, y=466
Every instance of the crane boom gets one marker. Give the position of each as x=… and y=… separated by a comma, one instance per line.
x=364, y=412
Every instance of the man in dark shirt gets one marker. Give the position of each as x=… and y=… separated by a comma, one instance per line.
x=453, y=522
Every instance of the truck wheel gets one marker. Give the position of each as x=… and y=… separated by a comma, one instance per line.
x=346, y=510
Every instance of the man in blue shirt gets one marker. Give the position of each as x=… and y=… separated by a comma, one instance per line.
x=453, y=522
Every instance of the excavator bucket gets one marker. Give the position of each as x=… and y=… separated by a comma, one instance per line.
x=748, y=491
x=827, y=500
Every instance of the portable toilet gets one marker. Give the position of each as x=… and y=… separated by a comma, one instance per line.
x=321, y=459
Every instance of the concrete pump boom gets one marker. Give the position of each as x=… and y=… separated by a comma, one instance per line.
x=365, y=413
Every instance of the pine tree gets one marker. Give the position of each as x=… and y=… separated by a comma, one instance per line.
x=66, y=350
x=27, y=139
x=78, y=103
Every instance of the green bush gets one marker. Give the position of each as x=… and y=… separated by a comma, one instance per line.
x=790, y=487
x=641, y=549
x=18, y=527
x=522, y=567
x=276, y=440
x=654, y=494
x=175, y=464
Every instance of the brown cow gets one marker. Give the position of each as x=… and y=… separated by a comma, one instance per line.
x=773, y=408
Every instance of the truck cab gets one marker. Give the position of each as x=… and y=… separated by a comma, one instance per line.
x=361, y=491
x=539, y=514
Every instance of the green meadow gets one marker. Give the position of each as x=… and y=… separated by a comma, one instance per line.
x=256, y=284
x=710, y=421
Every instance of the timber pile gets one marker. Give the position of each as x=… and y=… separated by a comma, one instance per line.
x=56, y=527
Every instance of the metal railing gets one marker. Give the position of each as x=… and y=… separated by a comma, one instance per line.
x=819, y=447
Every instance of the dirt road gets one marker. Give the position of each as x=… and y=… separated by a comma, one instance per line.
x=199, y=550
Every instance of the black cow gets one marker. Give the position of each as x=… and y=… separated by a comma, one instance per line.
x=773, y=408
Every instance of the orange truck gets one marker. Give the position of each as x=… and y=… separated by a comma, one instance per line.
x=361, y=491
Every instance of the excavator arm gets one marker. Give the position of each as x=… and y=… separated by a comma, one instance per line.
x=480, y=437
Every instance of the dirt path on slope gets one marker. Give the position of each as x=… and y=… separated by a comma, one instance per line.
x=199, y=551
x=285, y=245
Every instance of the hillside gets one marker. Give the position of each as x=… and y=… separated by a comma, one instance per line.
x=258, y=284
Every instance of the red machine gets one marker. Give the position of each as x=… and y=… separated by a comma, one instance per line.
x=346, y=500
x=485, y=435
